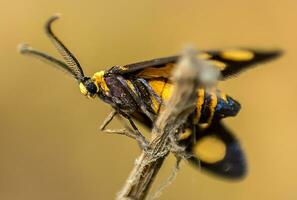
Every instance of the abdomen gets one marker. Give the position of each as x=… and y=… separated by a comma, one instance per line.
x=211, y=105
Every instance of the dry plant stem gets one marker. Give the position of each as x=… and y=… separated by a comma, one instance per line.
x=180, y=105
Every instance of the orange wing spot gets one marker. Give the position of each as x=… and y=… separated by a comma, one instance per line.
x=157, y=72
x=237, y=55
x=210, y=149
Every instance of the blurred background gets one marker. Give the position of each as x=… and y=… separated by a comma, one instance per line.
x=50, y=144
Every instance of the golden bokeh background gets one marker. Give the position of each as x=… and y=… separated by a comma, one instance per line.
x=50, y=146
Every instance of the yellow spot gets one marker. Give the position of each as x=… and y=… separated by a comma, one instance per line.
x=237, y=55
x=156, y=72
x=210, y=149
x=83, y=89
x=185, y=134
x=199, y=104
x=219, y=64
x=98, y=78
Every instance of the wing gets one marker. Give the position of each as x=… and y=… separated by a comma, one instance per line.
x=218, y=151
x=231, y=62
x=156, y=63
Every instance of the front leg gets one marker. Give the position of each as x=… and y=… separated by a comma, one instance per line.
x=138, y=136
x=107, y=120
x=127, y=131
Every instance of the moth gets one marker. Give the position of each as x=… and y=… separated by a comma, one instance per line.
x=140, y=90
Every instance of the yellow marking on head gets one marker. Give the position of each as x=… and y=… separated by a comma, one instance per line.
x=204, y=55
x=212, y=106
x=156, y=72
x=98, y=79
x=83, y=89
x=200, y=101
x=219, y=64
x=185, y=134
x=210, y=149
x=237, y=55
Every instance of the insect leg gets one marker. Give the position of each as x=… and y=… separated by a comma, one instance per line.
x=127, y=131
x=107, y=120
x=124, y=131
x=139, y=137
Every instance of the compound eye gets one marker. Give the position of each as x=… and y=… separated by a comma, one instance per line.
x=92, y=88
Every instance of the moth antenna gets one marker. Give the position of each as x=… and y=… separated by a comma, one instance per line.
x=69, y=58
x=28, y=50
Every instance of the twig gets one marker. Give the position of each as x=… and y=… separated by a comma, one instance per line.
x=186, y=79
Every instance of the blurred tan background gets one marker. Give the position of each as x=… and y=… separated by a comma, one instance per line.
x=50, y=146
